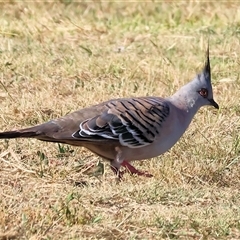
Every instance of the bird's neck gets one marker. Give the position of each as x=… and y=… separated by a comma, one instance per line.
x=186, y=102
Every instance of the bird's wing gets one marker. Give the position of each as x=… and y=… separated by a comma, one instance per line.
x=134, y=122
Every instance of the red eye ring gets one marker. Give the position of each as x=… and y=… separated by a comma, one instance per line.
x=203, y=92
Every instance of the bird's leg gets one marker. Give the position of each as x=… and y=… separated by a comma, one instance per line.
x=133, y=170
x=116, y=164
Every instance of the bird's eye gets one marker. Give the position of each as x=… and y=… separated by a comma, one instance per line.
x=203, y=92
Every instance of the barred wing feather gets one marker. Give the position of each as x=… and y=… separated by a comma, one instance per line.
x=134, y=122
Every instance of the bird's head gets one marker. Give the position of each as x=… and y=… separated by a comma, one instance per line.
x=198, y=92
x=204, y=85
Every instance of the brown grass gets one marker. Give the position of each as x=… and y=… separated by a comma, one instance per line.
x=60, y=57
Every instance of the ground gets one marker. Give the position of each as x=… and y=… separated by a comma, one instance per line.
x=60, y=57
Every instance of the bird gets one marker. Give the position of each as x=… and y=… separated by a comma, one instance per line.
x=128, y=129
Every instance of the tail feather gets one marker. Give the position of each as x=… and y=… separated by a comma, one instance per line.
x=42, y=131
x=51, y=131
x=18, y=134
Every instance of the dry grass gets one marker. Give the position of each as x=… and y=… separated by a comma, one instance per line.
x=57, y=58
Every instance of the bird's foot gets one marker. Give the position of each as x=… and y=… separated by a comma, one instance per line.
x=118, y=173
x=130, y=169
x=133, y=170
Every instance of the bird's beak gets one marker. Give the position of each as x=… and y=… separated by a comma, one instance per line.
x=213, y=103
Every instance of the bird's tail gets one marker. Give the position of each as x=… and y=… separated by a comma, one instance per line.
x=42, y=132
x=23, y=133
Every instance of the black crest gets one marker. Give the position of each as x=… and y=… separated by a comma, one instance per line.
x=207, y=67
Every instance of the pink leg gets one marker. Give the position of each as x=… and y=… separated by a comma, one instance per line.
x=133, y=170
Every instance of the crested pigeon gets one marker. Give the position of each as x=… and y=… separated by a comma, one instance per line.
x=127, y=129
